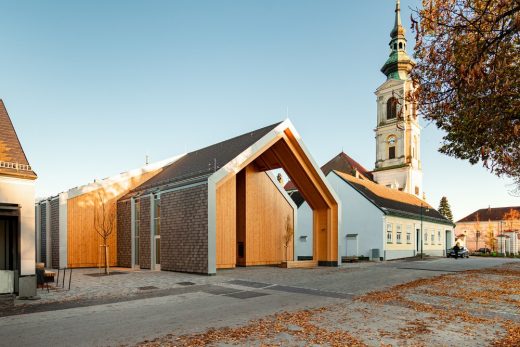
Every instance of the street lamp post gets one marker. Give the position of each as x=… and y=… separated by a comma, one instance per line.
x=422, y=235
x=478, y=235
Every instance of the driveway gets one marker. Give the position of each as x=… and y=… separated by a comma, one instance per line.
x=185, y=304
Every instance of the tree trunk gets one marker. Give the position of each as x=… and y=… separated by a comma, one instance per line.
x=106, y=258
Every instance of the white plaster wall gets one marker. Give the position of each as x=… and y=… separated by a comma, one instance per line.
x=395, y=250
x=359, y=216
x=303, y=232
x=21, y=192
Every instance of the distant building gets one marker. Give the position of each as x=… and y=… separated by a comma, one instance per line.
x=17, y=178
x=489, y=228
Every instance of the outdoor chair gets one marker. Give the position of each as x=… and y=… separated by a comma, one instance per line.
x=40, y=279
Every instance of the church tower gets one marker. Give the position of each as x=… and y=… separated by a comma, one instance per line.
x=398, y=134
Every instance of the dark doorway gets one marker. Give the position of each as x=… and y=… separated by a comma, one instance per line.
x=9, y=242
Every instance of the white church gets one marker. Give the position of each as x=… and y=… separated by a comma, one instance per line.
x=384, y=215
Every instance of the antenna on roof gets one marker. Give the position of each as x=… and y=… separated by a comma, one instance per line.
x=146, y=160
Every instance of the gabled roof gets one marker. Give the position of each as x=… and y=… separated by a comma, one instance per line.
x=203, y=162
x=485, y=214
x=343, y=163
x=13, y=161
x=393, y=202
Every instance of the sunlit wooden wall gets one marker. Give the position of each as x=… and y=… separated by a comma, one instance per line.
x=83, y=242
x=251, y=209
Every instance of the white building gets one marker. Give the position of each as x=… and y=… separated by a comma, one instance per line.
x=398, y=134
x=378, y=222
x=17, y=255
x=383, y=215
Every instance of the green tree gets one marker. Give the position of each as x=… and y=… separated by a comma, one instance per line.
x=445, y=209
x=468, y=78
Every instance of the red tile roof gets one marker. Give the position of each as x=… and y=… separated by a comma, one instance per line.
x=484, y=214
x=13, y=161
x=343, y=163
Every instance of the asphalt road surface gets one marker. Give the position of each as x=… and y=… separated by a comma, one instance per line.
x=235, y=297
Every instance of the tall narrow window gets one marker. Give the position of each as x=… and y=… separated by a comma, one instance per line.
x=391, y=108
x=137, y=227
x=157, y=229
x=389, y=233
x=408, y=233
x=391, y=147
x=398, y=233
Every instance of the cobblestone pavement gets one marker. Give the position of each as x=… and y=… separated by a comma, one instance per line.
x=354, y=278
x=91, y=283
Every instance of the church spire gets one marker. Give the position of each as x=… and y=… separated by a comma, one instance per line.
x=398, y=29
x=399, y=64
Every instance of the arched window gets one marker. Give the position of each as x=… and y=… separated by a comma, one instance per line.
x=391, y=147
x=391, y=108
x=400, y=45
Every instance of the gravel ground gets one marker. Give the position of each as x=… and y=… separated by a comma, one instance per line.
x=470, y=308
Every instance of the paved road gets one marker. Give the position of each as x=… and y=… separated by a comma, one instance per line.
x=236, y=297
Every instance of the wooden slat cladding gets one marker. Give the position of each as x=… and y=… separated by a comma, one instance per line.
x=226, y=224
x=251, y=211
x=267, y=212
x=83, y=242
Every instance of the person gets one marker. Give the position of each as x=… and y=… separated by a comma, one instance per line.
x=456, y=249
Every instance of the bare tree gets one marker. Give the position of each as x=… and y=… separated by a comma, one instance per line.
x=288, y=236
x=104, y=220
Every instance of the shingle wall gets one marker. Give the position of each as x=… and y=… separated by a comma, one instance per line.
x=43, y=230
x=124, y=234
x=55, y=232
x=184, y=230
x=144, y=235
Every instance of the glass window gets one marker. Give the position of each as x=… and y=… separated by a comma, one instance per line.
x=425, y=238
x=157, y=216
x=398, y=233
x=433, y=237
x=439, y=237
x=391, y=146
x=389, y=236
x=408, y=234
x=137, y=228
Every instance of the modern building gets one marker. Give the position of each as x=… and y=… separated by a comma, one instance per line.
x=378, y=222
x=219, y=207
x=66, y=233
x=17, y=179
x=491, y=228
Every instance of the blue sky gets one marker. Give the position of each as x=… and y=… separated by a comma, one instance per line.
x=94, y=86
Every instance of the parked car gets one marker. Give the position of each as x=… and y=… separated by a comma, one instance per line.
x=463, y=253
x=484, y=250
